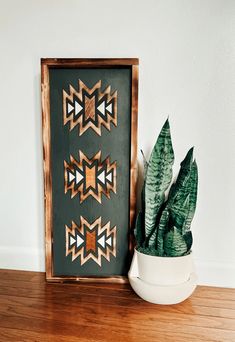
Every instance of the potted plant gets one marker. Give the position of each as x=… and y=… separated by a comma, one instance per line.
x=162, y=269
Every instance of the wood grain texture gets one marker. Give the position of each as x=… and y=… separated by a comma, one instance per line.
x=46, y=132
x=46, y=64
x=134, y=165
x=89, y=62
x=33, y=310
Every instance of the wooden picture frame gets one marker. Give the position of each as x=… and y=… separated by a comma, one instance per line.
x=49, y=65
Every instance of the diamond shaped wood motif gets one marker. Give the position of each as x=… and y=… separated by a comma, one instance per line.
x=89, y=108
x=89, y=177
x=90, y=241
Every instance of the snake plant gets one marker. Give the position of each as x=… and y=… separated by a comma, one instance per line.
x=163, y=224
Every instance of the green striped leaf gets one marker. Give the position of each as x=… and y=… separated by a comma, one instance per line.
x=193, y=180
x=162, y=229
x=174, y=243
x=145, y=164
x=143, y=189
x=184, y=173
x=179, y=210
x=183, y=208
x=158, y=178
x=178, y=202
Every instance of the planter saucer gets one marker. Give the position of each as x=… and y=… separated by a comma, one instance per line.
x=160, y=294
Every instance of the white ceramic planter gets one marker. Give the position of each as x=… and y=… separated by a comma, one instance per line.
x=162, y=280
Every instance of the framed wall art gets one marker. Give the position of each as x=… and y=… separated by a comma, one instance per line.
x=89, y=116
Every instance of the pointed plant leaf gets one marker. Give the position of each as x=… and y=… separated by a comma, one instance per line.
x=145, y=164
x=192, y=198
x=185, y=167
x=174, y=244
x=179, y=202
x=158, y=178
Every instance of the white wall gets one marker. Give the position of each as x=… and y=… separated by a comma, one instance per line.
x=187, y=71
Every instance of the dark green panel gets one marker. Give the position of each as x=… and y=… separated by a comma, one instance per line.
x=114, y=143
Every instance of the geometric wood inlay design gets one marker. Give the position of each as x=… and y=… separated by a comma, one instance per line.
x=90, y=241
x=89, y=107
x=90, y=177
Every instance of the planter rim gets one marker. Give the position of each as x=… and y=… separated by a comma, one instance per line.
x=164, y=257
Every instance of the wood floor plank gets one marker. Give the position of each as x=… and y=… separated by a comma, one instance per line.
x=125, y=331
x=214, y=293
x=220, y=308
x=81, y=310
x=9, y=335
x=216, y=303
x=82, y=296
x=32, y=310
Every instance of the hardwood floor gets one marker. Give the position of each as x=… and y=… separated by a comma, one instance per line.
x=31, y=310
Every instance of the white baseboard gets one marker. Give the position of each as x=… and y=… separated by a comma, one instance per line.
x=19, y=258
x=209, y=273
